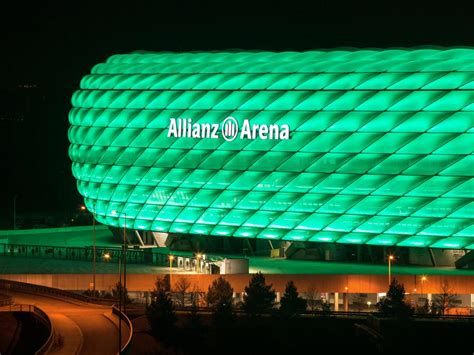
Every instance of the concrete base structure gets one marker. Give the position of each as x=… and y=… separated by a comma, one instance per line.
x=320, y=283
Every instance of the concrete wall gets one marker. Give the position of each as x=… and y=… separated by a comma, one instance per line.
x=320, y=283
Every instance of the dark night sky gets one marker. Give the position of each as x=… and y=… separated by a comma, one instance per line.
x=53, y=46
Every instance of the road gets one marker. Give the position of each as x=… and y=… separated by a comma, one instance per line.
x=81, y=328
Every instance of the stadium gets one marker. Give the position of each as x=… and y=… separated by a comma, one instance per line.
x=379, y=146
x=339, y=171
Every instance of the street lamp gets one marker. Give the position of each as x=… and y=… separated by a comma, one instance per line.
x=390, y=259
x=124, y=286
x=124, y=250
x=368, y=304
x=107, y=257
x=198, y=260
x=423, y=279
x=171, y=258
x=94, y=253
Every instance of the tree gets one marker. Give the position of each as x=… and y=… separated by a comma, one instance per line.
x=259, y=297
x=291, y=304
x=120, y=291
x=194, y=319
x=196, y=296
x=181, y=287
x=219, y=299
x=163, y=283
x=393, y=304
x=311, y=298
x=160, y=312
x=219, y=293
x=446, y=300
x=326, y=307
x=425, y=309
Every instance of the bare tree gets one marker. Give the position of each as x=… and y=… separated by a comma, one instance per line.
x=182, y=287
x=196, y=296
x=311, y=298
x=446, y=300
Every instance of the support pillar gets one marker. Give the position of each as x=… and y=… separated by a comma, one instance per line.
x=345, y=301
x=336, y=301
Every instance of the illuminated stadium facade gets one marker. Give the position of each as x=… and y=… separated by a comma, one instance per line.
x=340, y=146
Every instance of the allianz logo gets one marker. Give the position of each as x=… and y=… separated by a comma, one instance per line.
x=229, y=129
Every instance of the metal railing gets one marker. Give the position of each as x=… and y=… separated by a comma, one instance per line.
x=149, y=256
x=123, y=317
x=5, y=300
x=52, y=292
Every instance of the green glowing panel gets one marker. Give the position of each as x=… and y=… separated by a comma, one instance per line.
x=451, y=243
x=340, y=146
x=354, y=238
x=418, y=241
x=325, y=237
x=371, y=205
x=385, y=239
x=378, y=224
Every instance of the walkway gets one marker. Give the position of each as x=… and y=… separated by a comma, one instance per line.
x=80, y=328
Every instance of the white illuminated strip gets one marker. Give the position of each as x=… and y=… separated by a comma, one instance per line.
x=185, y=128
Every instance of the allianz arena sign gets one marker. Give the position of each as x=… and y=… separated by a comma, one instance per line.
x=229, y=129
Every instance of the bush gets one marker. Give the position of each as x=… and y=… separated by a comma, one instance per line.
x=259, y=297
x=291, y=304
x=219, y=298
x=393, y=305
x=120, y=291
x=160, y=312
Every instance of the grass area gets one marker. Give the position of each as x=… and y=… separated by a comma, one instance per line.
x=67, y=237
x=275, y=335
x=82, y=236
x=286, y=266
x=33, y=265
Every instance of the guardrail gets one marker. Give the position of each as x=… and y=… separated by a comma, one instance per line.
x=43, y=317
x=5, y=300
x=123, y=317
x=148, y=256
x=338, y=313
x=53, y=292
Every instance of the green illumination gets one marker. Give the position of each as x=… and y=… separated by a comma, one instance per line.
x=380, y=149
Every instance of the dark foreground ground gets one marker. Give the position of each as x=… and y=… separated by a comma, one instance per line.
x=342, y=335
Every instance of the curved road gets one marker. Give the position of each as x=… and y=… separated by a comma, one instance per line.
x=82, y=328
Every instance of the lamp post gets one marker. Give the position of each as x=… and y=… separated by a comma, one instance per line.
x=171, y=258
x=106, y=256
x=198, y=261
x=423, y=279
x=390, y=259
x=122, y=304
x=94, y=253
